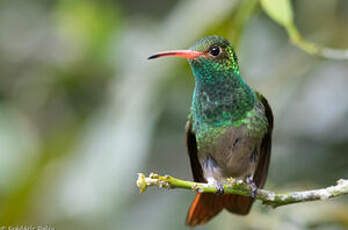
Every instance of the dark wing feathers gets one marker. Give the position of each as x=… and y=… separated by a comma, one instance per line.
x=191, y=144
x=265, y=154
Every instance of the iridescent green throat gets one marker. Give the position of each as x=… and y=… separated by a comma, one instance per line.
x=221, y=97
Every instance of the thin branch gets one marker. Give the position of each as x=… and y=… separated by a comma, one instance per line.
x=281, y=11
x=234, y=186
x=315, y=49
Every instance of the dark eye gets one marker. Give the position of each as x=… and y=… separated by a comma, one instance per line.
x=215, y=51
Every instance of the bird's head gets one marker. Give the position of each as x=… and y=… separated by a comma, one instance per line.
x=209, y=57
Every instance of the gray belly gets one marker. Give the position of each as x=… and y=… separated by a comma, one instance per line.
x=233, y=154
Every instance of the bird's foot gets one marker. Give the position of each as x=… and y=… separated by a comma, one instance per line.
x=249, y=180
x=219, y=187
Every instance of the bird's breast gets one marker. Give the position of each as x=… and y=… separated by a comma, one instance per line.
x=232, y=144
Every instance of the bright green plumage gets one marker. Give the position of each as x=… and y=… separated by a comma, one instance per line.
x=221, y=97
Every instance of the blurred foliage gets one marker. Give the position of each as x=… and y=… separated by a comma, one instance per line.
x=82, y=110
x=281, y=11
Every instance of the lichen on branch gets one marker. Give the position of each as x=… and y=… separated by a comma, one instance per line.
x=235, y=186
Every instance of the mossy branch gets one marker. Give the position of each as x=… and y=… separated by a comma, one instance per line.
x=234, y=186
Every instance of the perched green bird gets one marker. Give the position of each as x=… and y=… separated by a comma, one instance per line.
x=229, y=130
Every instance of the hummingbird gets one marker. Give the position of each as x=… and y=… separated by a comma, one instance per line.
x=229, y=129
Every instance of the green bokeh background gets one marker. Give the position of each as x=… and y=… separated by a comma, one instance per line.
x=82, y=110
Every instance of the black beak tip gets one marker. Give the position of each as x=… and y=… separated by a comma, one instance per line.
x=153, y=57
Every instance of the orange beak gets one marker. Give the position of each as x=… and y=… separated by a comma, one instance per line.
x=189, y=54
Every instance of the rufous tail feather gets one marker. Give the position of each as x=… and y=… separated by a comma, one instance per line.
x=207, y=205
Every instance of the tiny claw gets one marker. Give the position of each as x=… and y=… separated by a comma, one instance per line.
x=253, y=192
x=219, y=188
x=249, y=180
